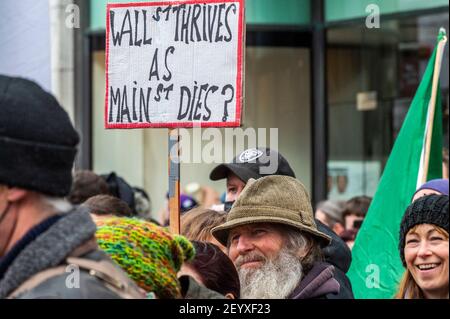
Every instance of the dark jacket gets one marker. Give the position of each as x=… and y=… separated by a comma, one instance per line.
x=318, y=283
x=339, y=255
x=50, y=249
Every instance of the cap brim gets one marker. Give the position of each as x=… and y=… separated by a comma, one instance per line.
x=221, y=232
x=221, y=171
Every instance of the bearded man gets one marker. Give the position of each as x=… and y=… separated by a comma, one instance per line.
x=274, y=243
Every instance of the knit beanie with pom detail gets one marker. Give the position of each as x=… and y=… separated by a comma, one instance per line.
x=149, y=254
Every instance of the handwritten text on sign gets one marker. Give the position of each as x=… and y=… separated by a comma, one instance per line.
x=174, y=64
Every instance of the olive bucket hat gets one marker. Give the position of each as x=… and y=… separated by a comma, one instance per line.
x=272, y=199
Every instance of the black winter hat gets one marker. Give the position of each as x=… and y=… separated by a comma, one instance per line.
x=254, y=163
x=432, y=209
x=37, y=139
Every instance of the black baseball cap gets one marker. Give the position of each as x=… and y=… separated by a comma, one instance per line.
x=254, y=163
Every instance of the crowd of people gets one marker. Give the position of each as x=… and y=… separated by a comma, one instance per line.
x=262, y=239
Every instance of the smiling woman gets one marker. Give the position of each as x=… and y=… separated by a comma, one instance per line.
x=424, y=236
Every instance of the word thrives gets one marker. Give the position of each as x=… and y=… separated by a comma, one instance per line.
x=194, y=23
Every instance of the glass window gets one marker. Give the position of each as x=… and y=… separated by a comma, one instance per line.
x=278, y=96
x=372, y=76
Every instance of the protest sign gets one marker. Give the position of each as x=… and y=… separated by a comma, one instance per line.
x=174, y=64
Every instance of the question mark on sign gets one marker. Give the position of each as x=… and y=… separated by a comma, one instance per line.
x=225, y=88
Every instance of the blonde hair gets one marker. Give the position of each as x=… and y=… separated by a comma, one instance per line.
x=197, y=223
x=408, y=288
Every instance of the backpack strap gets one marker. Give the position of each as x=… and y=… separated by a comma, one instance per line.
x=37, y=279
x=84, y=248
x=112, y=276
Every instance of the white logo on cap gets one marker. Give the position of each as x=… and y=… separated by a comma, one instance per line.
x=250, y=155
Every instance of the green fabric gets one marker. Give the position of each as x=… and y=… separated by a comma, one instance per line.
x=375, y=252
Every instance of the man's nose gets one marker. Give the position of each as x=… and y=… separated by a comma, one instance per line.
x=244, y=244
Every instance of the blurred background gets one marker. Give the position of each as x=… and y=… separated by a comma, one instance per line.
x=336, y=87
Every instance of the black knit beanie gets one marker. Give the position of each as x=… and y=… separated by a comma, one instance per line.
x=432, y=209
x=37, y=139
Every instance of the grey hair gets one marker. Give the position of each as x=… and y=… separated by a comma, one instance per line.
x=57, y=204
x=299, y=241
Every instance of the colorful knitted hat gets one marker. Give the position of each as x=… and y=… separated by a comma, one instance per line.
x=150, y=254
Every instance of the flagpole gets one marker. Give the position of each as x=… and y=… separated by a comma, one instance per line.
x=432, y=107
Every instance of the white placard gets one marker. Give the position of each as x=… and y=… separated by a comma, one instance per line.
x=174, y=64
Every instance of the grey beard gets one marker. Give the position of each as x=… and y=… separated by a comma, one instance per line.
x=275, y=279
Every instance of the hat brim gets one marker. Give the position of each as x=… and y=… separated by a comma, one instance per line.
x=221, y=171
x=221, y=232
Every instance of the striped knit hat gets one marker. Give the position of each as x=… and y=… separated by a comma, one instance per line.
x=150, y=254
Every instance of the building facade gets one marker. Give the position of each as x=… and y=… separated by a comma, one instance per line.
x=335, y=77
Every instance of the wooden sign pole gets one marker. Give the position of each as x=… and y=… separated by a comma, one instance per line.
x=174, y=181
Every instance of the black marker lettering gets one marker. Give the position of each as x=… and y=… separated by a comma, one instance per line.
x=171, y=50
x=134, y=101
x=177, y=10
x=168, y=90
x=136, y=16
x=184, y=89
x=159, y=89
x=227, y=25
x=154, y=67
x=212, y=89
x=211, y=23
x=143, y=105
x=146, y=41
x=114, y=99
x=219, y=37
x=195, y=15
x=167, y=12
x=124, y=108
x=185, y=25
x=193, y=100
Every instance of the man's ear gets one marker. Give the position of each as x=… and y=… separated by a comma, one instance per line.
x=304, y=252
x=15, y=194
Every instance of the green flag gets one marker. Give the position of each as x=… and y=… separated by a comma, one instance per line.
x=376, y=267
